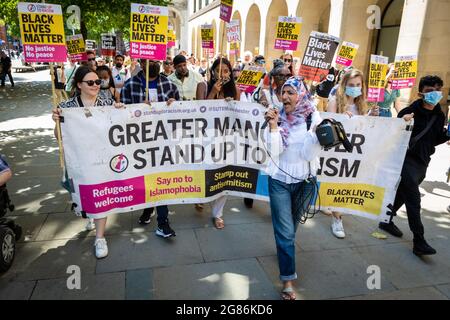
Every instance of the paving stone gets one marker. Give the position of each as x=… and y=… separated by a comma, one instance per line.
x=445, y=289
x=50, y=259
x=424, y=293
x=17, y=290
x=30, y=224
x=327, y=274
x=237, y=241
x=225, y=280
x=404, y=269
x=110, y=286
x=139, y=284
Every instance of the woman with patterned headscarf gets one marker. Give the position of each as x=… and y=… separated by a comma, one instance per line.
x=292, y=172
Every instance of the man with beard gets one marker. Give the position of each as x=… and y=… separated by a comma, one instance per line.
x=186, y=80
x=160, y=89
x=119, y=72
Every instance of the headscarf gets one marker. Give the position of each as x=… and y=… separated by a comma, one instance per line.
x=304, y=108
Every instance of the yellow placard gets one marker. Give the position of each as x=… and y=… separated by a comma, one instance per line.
x=347, y=52
x=227, y=2
x=288, y=31
x=405, y=70
x=250, y=78
x=234, y=46
x=177, y=184
x=377, y=75
x=361, y=197
x=149, y=28
x=207, y=34
x=75, y=46
x=41, y=28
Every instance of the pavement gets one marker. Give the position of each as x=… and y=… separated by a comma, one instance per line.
x=201, y=262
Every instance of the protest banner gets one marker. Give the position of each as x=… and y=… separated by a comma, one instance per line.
x=226, y=9
x=91, y=45
x=139, y=157
x=288, y=33
x=233, y=31
x=76, y=47
x=148, y=31
x=377, y=78
x=208, y=53
x=250, y=78
x=122, y=160
x=171, y=37
x=405, y=72
x=318, y=56
x=207, y=36
x=42, y=31
x=108, y=48
x=346, y=54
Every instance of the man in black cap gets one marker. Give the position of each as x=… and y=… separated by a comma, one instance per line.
x=185, y=80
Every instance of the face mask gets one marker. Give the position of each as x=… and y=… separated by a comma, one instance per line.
x=153, y=70
x=104, y=84
x=432, y=97
x=353, y=91
x=118, y=65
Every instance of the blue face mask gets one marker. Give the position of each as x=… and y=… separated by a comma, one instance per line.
x=353, y=91
x=432, y=97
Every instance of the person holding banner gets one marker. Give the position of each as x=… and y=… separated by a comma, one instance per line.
x=87, y=86
x=107, y=87
x=161, y=89
x=428, y=132
x=220, y=86
x=350, y=99
x=292, y=172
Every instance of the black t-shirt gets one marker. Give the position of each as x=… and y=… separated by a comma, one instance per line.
x=6, y=63
x=426, y=146
x=324, y=88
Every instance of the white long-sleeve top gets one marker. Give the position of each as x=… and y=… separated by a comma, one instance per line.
x=299, y=157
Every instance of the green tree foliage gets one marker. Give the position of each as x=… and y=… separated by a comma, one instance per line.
x=96, y=16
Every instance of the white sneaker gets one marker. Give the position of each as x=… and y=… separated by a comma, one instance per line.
x=337, y=228
x=101, y=248
x=90, y=225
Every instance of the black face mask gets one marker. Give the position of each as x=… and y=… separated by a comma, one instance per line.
x=118, y=65
x=153, y=70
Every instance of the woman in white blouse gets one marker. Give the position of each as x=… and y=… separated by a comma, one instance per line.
x=294, y=150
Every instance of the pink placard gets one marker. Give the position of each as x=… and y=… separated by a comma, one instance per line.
x=208, y=44
x=286, y=44
x=246, y=88
x=106, y=196
x=45, y=53
x=375, y=94
x=403, y=84
x=152, y=51
x=344, y=61
x=171, y=44
x=79, y=56
x=225, y=12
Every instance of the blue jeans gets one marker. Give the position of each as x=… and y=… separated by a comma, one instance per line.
x=385, y=113
x=287, y=203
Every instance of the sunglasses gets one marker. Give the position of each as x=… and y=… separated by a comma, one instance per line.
x=287, y=60
x=91, y=59
x=90, y=83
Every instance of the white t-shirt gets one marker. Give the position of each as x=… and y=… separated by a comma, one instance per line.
x=120, y=76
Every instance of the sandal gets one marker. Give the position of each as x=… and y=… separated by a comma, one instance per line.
x=288, y=294
x=218, y=223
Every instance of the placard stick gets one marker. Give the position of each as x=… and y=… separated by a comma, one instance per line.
x=58, y=123
x=146, y=79
x=220, y=53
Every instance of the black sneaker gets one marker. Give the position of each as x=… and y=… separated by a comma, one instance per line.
x=391, y=228
x=248, y=203
x=165, y=231
x=422, y=248
x=146, y=217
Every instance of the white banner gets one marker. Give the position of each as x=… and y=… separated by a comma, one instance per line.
x=195, y=151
